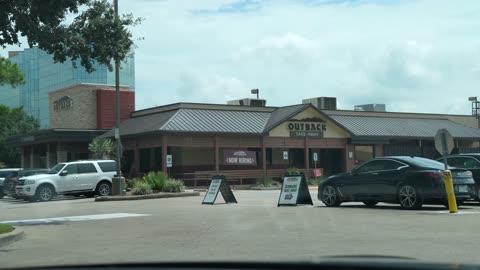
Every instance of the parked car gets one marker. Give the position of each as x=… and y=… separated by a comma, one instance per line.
x=4, y=173
x=10, y=182
x=70, y=178
x=409, y=181
x=469, y=162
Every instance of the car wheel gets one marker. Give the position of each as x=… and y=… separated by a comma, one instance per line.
x=104, y=189
x=409, y=198
x=370, y=203
x=330, y=197
x=1, y=193
x=45, y=193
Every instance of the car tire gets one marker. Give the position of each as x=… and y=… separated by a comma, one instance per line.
x=409, y=198
x=370, y=203
x=330, y=196
x=1, y=193
x=104, y=188
x=44, y=193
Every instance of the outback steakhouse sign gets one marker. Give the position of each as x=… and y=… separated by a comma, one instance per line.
x=233, y=157
x=63, y=103
x=307, y=129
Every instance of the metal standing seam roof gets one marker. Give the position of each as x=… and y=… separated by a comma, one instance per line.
x=142, y=124
x=207, y=121
x=402, y=127
x=282, y=114
x=221, y=121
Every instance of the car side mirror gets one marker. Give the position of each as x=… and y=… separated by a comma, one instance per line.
x=63, y=173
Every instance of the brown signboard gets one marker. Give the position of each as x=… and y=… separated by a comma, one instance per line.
x=239, y=157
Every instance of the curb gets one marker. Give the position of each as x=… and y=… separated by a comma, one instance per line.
x=13, y=236
x=145, y=197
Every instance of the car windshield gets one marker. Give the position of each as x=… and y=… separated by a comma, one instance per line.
x=56, y=169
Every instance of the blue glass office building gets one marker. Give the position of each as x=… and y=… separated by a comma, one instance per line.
x=42, y=76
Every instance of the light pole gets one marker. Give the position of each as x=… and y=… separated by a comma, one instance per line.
x=117, y=109
x=475, y=108
x=255, y=91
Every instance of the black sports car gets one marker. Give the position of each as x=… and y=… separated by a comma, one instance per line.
x=409, y=181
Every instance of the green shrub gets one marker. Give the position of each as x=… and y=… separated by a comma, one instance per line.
x=172, y=185
x=130, y=182
x=141, y=188
x=292, y=171
x=265, y=181
x=156, y=180
x=312, y=181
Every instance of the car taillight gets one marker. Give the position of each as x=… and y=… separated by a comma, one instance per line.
x=435, y=175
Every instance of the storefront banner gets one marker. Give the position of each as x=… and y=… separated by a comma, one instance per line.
x=233, y=157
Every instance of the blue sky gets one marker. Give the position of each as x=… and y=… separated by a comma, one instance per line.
x=412, y=55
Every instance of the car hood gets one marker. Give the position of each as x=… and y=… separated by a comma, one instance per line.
x=36, y=177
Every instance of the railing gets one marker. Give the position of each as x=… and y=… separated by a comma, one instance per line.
x=239, y=177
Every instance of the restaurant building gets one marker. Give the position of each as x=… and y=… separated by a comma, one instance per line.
x=193, y=141
x=244, y=139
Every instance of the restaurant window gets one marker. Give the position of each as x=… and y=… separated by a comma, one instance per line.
x=363, y=153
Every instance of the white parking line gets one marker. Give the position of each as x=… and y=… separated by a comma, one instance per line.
x=71, y=219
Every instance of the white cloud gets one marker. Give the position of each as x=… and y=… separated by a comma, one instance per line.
x=413, y=55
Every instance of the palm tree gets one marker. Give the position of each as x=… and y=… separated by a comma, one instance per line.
x=102, y=148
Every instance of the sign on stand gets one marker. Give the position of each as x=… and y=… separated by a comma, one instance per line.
x=294, y=191
x=219, y=184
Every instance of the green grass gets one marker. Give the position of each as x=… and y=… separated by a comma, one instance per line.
x=5, y=228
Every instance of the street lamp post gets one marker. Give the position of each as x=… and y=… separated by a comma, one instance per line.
x=119, y=183
x=475, y=109
x=255, y=91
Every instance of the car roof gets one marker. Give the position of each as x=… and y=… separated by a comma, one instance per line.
x=10, y=169
x=90, y=160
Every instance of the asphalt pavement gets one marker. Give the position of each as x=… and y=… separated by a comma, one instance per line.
x=81, y=231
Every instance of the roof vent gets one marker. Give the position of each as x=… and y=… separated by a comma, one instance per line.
x=370, y=108
x=322, y=103
x=250, y=102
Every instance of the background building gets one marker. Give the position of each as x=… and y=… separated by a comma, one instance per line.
x=42, y=76
x=78, y=114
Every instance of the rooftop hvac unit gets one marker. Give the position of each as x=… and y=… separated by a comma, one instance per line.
x=248, y=102
x=322, y=103
x=370, y=108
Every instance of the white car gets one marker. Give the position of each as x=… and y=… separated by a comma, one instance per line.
x=69, y=178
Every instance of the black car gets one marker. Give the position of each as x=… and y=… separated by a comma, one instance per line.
x=469, y=162
x=409, y=181
x=11, y=180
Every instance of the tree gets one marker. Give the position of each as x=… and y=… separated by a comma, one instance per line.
x=94, y=35
x=14, y=122
x=102, y=148
x=10, y=73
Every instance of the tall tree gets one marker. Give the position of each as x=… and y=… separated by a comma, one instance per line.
x=10, y=73
x=14, y=122
x=94, y=35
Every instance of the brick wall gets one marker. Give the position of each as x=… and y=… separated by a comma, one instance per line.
x=79, y=107
x=106, y=107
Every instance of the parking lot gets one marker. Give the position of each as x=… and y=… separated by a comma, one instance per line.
x=179, y=229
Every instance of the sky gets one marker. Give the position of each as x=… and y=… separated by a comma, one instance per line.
x=412, y=55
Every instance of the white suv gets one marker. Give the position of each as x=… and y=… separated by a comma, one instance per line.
x=70, y=178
